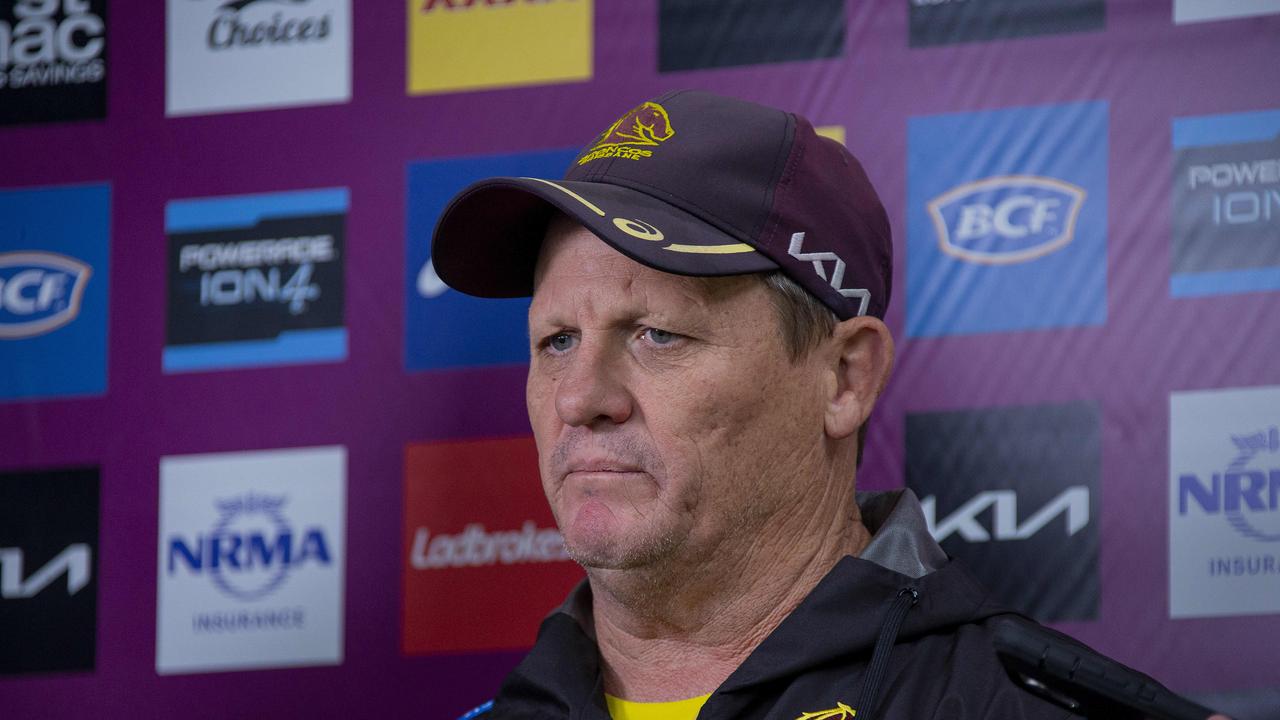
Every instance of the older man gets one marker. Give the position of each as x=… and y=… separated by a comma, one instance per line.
x=708, y=284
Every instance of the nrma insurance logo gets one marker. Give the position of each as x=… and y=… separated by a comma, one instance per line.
x=444, y=328
x=1007, y=227
x=39, y=292
x=1005, y=220
x=251, y=560
x=250, y=550
x=1225, y=502
x=54, y=250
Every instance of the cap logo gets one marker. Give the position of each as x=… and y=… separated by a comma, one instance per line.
x=837, y=270
x=645, y=126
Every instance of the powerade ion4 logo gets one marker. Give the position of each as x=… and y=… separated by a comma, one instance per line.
x=256, y=280
x=251, y=559
x=1007, y=220
x=1224, y=502
x=1226, y=204
x=54, y=248
x=39, y=292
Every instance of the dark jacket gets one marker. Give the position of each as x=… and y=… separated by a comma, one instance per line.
x=899, y=632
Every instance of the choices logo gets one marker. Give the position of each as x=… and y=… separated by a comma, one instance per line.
x=1226, y=204
x=943, y=22
x=39, y=292
x=251, y=560
x=53, y=291
x=48, y=570
x=1014, y=239
x=256, y=280
x=443, y=328
x=456, y=568
x=53, y=60
x=1224, y=502
x=1006, y=220
x=225, y=55
x=471, y=44
x=1013, y=492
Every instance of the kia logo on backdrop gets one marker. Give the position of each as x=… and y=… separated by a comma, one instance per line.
x=54, y=251
x=256, y=280
x=695, y=34
x=1226, y=204
x=53, y=60
x=251, y=560
x=1013, y=493
x=1007, y=220
x=476, y=525
x=48, y=570
x=1224, y=502
x=227, y=55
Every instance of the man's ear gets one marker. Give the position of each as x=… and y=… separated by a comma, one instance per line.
x=861, y=360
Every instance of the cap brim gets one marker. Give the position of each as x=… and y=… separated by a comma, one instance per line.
x=488, y=238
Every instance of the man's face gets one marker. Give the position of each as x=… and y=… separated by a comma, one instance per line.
x=671, y=424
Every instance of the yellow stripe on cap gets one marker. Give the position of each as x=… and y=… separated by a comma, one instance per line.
x=711, y=249
x=571, y=194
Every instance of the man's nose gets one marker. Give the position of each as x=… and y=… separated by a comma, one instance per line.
x=592, y=390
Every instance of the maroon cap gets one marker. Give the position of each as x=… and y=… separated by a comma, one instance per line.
x=694, y=184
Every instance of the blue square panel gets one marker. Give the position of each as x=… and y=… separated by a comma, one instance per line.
x=1007, y=220
x=443, y=327
x=54, y=250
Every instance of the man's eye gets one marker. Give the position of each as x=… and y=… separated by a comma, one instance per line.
x=560, y=342
x=661, y=337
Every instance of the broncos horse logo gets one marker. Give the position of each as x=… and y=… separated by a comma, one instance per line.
x=646, y=125
x=839, y=712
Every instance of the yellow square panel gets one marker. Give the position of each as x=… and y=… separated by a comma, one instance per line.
x=472, y=44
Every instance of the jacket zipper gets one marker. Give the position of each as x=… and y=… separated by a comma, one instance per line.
x=869, y=697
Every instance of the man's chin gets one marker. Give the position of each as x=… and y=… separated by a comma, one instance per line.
x=599, y=542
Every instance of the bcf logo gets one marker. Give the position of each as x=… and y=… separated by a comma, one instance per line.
x=1006, y=219
x=39, y=292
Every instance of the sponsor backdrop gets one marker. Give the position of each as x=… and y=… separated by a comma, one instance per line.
x=256, y=459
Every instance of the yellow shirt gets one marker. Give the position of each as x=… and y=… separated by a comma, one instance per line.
x=620, y=709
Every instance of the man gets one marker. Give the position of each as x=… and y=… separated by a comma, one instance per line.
x=708, y=287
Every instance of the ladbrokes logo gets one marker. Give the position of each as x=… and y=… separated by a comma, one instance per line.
x=470, y=44
x=48, y=570
x=1224, y=502
x=251, y=559
x=52, y=60
x=39, y=292
x=1226, y=204
x=250, y=54
x=476, y=523
x=256, y=280
x=645, y=126
x=1005, y=220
